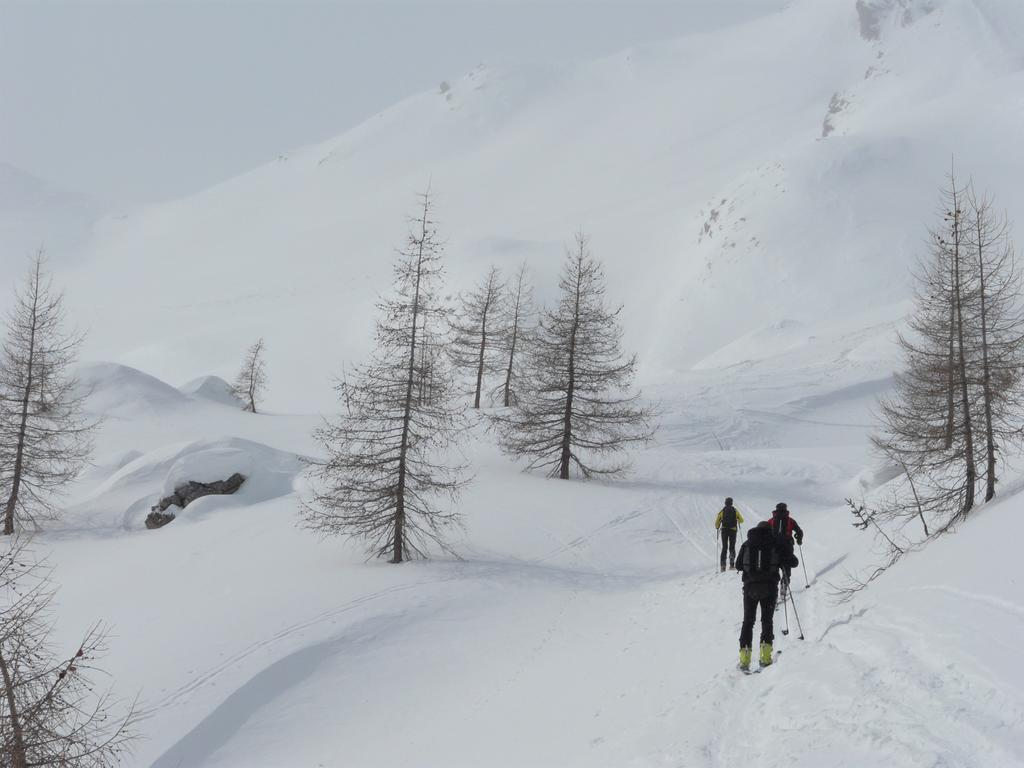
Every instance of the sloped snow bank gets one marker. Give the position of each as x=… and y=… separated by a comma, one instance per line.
x=126, y=497
x=122, y=392
x=211, y=388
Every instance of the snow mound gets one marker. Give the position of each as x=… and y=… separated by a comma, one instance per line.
x=117, y=460
x=120, y=391
x=125, y=498
x=211, y=388
x=269, y=473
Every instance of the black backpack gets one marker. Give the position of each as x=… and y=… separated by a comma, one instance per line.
x=761, y=559
x=729, y=518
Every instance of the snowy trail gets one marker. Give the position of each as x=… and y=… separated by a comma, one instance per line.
x=570, y=592
x=210, y=676
x=575, y=666
x=587, y=626
x=575, y=595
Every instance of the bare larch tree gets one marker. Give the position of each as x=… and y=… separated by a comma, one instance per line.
x=476, y=329
x=578, y=410
x=958, y=399
x=956, y=246
x=251, y=380
x=518, y=326
x=51, y=713
x=926, y=424
x=999, y=330
x=45, y=440
x=388, y=477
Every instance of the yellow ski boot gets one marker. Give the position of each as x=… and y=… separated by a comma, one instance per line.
x=766, y=654
x=744, y=659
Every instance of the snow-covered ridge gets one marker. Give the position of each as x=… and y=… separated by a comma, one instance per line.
x=698, y=167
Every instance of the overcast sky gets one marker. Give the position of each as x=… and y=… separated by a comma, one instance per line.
x=148, y=100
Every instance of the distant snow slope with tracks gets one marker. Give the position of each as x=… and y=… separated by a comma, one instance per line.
x=758, y=195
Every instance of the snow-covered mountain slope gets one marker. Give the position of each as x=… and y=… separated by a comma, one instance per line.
x=586, y=624
x=782, y=170
x=35, y=214
x=757, y=195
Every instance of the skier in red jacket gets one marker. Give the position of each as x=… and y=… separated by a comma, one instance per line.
x=784, y=526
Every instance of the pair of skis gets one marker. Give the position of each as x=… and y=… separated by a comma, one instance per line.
x=763, y=667
x=787, y=594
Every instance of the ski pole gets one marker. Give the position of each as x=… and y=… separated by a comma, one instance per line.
x=796, y=615
x=804, y=564
x=785, y=610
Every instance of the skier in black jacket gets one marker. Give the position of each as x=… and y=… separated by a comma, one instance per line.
x=759, y=561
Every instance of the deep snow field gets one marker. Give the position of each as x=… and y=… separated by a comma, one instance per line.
x=586, y=624
x=758, y=196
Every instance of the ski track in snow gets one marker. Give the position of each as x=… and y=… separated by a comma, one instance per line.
x=868, y=668
x=211, y=675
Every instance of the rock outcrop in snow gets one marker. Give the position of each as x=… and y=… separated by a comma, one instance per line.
x=156, y=519
x=874, y=15
x=188, y=492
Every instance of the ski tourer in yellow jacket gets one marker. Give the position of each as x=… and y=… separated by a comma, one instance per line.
x=729, y=517
x=728, y=521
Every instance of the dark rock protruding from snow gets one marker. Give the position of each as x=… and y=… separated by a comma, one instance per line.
x=185, y=494
x=158, y=519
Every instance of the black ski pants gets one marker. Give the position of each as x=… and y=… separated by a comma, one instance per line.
x=765, y=596
x=728, y=543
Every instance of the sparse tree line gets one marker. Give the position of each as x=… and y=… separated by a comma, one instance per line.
x=958, y=402
x=561, y=383
x=393, y=466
